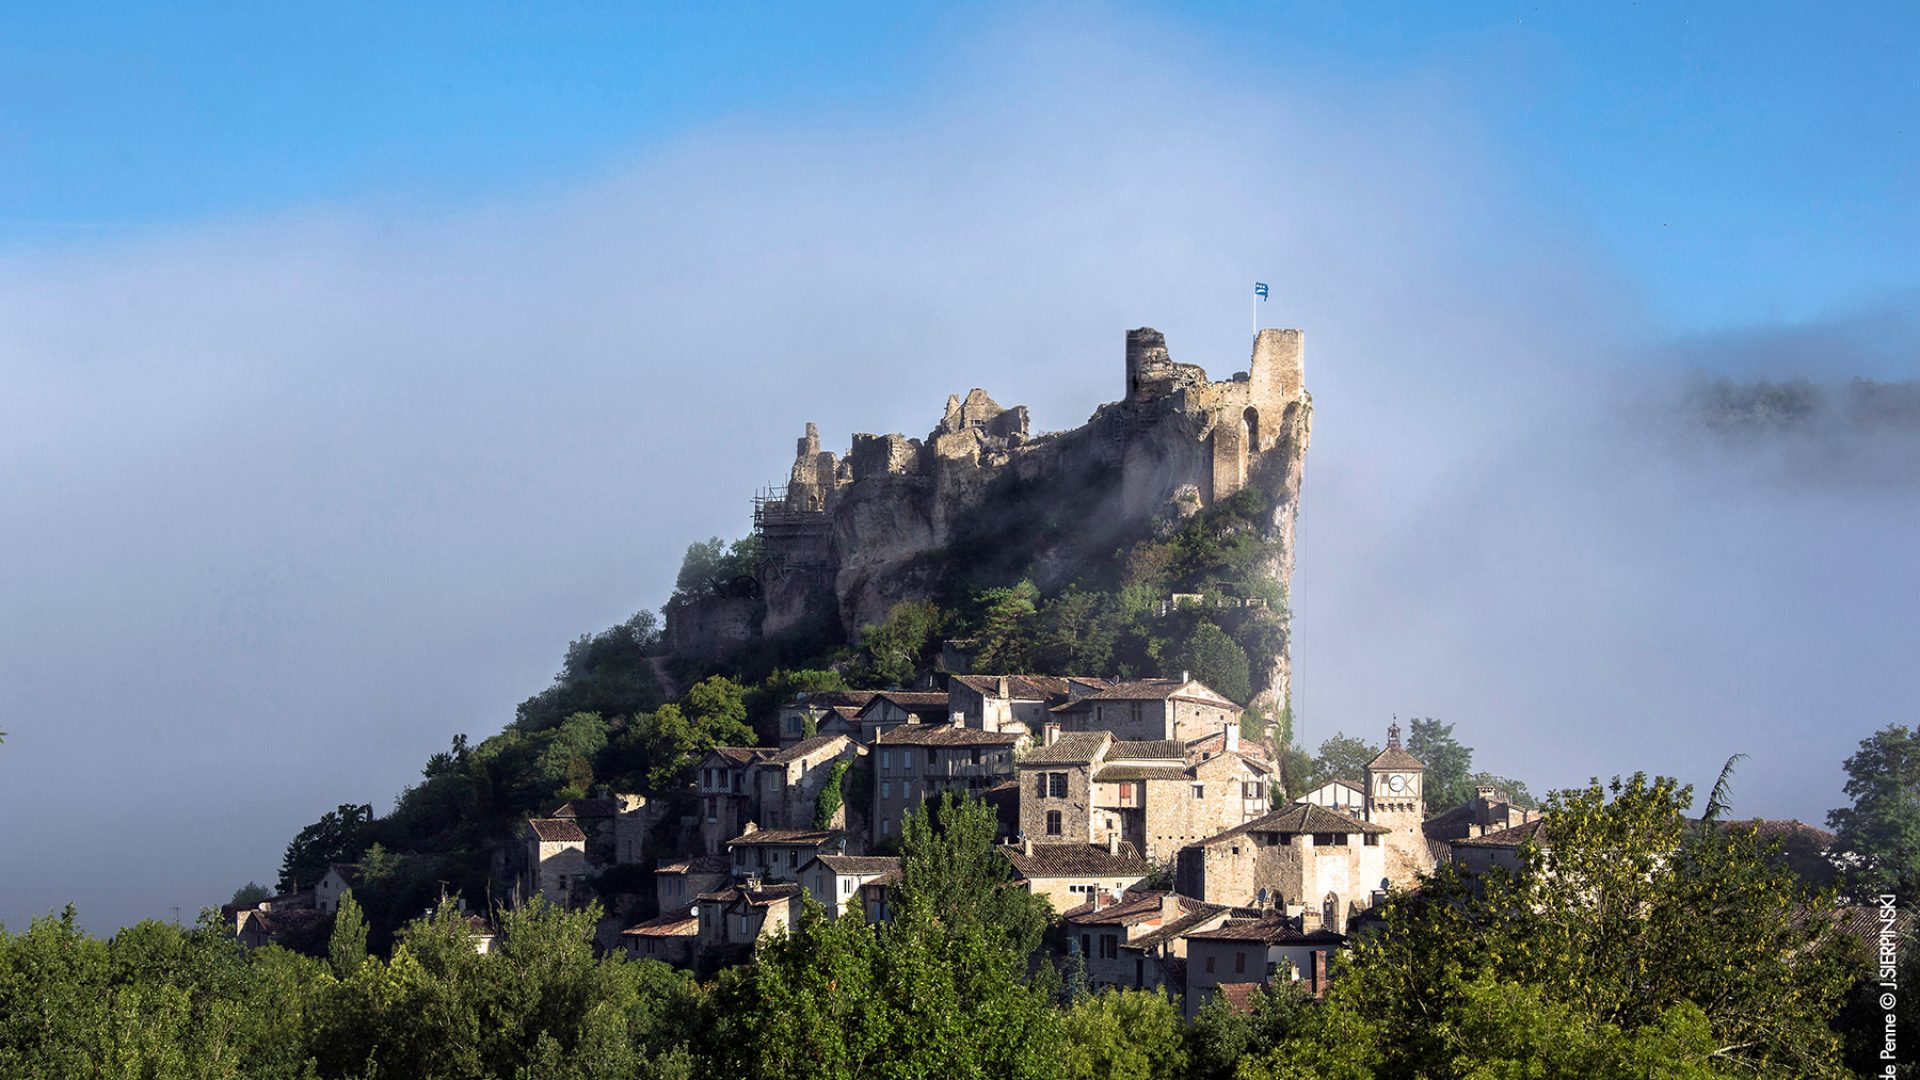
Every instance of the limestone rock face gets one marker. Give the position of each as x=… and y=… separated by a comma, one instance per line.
x=852, y=536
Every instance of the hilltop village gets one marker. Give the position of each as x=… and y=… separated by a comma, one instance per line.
x=893, y=610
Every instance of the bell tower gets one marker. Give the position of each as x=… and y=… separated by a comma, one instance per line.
x=1396, y=799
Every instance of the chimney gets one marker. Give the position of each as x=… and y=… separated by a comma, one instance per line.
x=1051, y=732
x=749, y=827
x=1185, y=678
x=1026, y=846
x=1232, y=731
x=1113, y=842
x=1319, y=972
x=1169, y=909
x=959, y=718
x=1096, y=897
x=1005, y=693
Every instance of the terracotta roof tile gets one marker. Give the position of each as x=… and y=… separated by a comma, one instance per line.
x=681, y=923
x=1114, y=773
x=1071, y=748
x=799, y=837
x=1239, y=995
x=1272, y=930
x=944, y=735
x=556, y=830
x=1149, y=750
x=1301, y=818
x=1076, y=860
x=804, y=748
x=859, y=865
x=1510, y=838
x=698, y=864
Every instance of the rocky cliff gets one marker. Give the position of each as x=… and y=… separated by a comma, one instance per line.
x=853, y=534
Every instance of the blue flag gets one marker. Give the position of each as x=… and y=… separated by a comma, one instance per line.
x=1260, y=289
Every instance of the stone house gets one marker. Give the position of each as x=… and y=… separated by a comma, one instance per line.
x=675, y=884
x=1014, y=702
x=917, y=761
x=1479, y=854
x=732, y=920
x=1132, y=942
x=837, y=881
x=671, y=938
x=260, y=926
x=1056, y=785
x=1396, y=800
x=789, y=782
x=1301, y=857
x=1263, y=952
x=1073, y=873
x=1210, y=795
x=616, y=827
x=726, y=793
x=890, y=709
x=335, y=883
x=554, y=864
x=1153, y=709
x=778, y=854
x=1489, y=811
x=832, y=712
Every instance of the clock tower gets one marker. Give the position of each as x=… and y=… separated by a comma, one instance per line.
x=1397, y=800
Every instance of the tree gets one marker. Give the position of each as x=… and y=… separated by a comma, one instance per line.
x=1515, y=790
x=1003, y=631
x=1123, y=1035
x=1077, y=632
x=1342, y=757
x=347, y=945
x=677, y=736
x=1217, y=660
x=895, y=648
x=1625, y=911
x=249, y=895
x=340, y=835
x=710, y=568
x=1882, y=827
x=1449, y=764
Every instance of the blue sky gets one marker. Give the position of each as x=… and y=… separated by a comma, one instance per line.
x=1749, y=162
x=352, y=364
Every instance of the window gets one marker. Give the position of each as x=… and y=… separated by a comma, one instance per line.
x=1040, y=784
x=976, y=755
x=846, y=886
x=886, y=826
x=886, y=789
x=1086, y=945
x=1372, y=840
x=886, y=759
x=1199, y=791
x=1057, y=785
x=1109, y=946
x=1235, y=849
x=1053, y=823
x=1209, y=963
x=1239, y=963
x=933, y=757
x=793, y=725
x=744, y=928
x=1249, y=791
x=713, y=808
x=1133, y=711
x=1126, y=793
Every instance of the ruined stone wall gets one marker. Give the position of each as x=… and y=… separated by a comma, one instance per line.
x=854, y=535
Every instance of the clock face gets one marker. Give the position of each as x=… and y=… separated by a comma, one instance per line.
x=1397, y=783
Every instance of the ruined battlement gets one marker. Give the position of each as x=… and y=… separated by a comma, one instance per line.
x=851, y=535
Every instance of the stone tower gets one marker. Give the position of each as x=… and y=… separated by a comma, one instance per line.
x=1396, y=799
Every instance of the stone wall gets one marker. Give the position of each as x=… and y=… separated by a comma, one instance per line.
x=712, y=628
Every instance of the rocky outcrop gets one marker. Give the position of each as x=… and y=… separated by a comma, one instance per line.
x=849, y=537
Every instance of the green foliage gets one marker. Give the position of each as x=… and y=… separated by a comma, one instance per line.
x=1123, y=1035
x=893, y=652
x=1003, y=627
x=609, y=673
x=1449, y=764
x=678, y=736
x=1516, y=790
x=713, y=568
x=340, y=835
x=347, y=947
x=1882, y=827
x=249, y=895
x=832, y=795
x=1342, y=757
x=1209, y=655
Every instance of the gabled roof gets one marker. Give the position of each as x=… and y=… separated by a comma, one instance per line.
x=1301, y=818
x=556, y=830
x=857, y=865
x=1076, y=860
x=349, y=872
x=1394, y=757
x=1114, y=773
x=1196, y=914
x=1071, y=748
x=760, y=897
x=1272, y=930
x=803, y=748
x=917, y=702
x=788, y=837
x=830, y=699
x=740, y=755
x=1162, y=690
x=698, y=864
x=1019, y=687
x=1216, y=743
x=1155, y=750
x=680, y=923
x=587, y=808
x=944, y=735
x=1506, y=838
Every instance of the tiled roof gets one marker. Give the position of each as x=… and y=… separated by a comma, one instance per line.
x=1135, y=906
x=285, y=920
x=681, y=923
x=1197, y=914
x=1394, y=757
x=1513, y=837
x=800, y=837
x=1150, y=750
x=1113, y=773
x=1239, y=995
x=1071, y=748
x=803, y=748
x=586, y=808
x=1216, y=743
x=1784, y=829
x=743, y=755
x=1301, y=818
x=1019, y=687
x=1076, y=860
x=831, y=699
x=556, y=830
x=1272, y=930
x=349, y=872
x=698, y=864
x=918, y=702
x=944, y=735
x=760, y=897
x=1161, y=690
x=859, y=865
